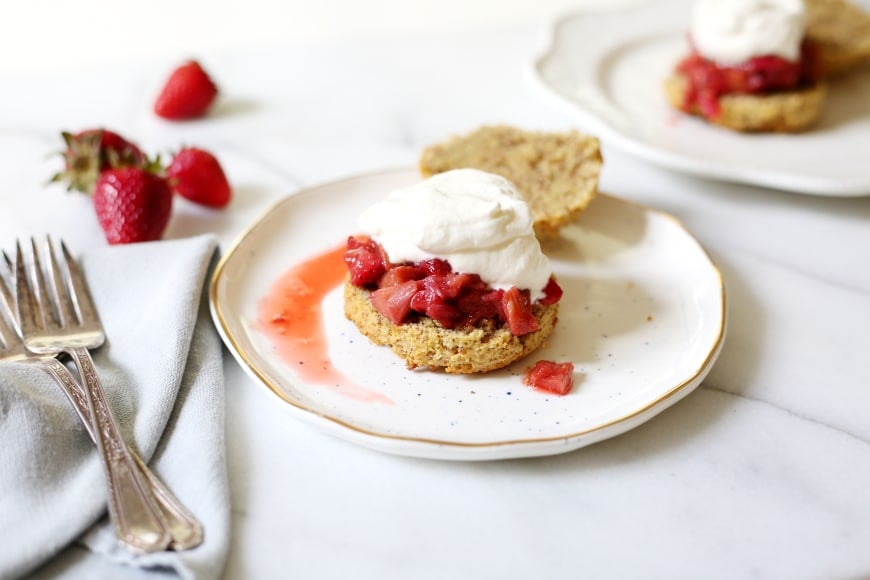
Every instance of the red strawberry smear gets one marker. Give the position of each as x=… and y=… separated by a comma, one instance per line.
x=187, y=94
x=551, y=377
x=197, y=175
x=403, y=292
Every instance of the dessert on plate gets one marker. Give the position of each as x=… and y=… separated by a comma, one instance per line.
x=762, y=65
x=449, y=274
x=557, y=173
x=751, y=67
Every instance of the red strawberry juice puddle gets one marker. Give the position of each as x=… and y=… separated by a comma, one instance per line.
x=291, y=315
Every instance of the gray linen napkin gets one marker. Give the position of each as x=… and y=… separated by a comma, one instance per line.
x=161, y=369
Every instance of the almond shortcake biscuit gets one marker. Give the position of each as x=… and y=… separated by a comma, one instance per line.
x=556, y=172
x=841, y=33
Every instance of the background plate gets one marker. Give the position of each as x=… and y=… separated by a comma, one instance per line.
x=607, y=70
x=642, y=319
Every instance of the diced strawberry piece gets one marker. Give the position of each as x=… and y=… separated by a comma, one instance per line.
x=394, y=302
x=552, y=292
x=444, y=314
x=553, y=377
x=365, y=261
x=478, y=304
x=435, y=266
x=518, y=312
x=399, y=274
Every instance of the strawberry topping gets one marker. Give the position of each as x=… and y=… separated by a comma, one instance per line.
x=403, y=292
x=708, y=81
x=365, y=261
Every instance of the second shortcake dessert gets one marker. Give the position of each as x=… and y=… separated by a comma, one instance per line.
x=751, y=67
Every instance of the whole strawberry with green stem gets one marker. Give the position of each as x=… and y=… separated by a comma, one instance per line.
x=92, y=151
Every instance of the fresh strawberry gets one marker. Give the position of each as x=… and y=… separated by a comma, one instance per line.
x=197, y=175
x=132, y=204
x=187, y=94
x=91, y=151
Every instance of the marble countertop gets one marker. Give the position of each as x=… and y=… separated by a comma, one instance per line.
x=762, y=472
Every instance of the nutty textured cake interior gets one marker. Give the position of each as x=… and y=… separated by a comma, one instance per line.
x=556, y=172
x=841, y=31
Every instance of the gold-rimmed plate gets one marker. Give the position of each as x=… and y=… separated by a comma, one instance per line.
x=642, y=319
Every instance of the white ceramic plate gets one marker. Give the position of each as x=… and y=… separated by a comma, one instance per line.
x=607, y=70
x=642, y=319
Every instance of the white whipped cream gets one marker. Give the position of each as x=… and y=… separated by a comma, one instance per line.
x=733, y=31
x=475, y=220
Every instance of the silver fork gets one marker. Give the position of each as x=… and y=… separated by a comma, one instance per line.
x=66, y=322
x=185, y=529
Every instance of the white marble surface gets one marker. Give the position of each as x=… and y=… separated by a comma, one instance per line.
x=763, y=472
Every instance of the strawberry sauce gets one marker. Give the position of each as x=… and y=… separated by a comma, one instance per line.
x=291, y=315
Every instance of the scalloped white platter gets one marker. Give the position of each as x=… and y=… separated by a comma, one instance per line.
x=607, y=70
x=642, y=319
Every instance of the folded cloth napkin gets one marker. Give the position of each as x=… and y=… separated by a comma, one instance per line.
x=161, y=369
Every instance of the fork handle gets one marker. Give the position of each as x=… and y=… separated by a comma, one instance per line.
x=185, y=528
x=132, y=507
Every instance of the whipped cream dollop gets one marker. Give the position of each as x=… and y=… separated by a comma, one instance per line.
x=733, y=31
x=475, y=220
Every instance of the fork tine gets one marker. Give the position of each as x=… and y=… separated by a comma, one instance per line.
x=7, y=318
x=78, y=288
x=44, y=298
x=7, y=300
x=28, y=307
x=65, y=310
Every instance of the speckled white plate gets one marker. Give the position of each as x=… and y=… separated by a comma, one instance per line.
x=642, y=319
x=607, y=69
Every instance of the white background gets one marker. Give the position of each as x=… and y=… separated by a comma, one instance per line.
x=47, y=35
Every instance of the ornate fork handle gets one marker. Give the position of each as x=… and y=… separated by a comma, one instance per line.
x=138, y=521
x=185, y=529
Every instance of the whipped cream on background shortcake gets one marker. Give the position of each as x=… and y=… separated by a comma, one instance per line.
x=475, y=220
x=730, y=32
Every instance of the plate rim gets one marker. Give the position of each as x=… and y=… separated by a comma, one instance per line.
x=669, y=160
x=435, y=448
